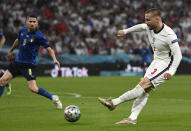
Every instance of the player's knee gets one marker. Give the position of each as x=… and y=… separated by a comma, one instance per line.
x=145, y=83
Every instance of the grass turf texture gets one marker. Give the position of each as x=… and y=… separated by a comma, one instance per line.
x=168, y=108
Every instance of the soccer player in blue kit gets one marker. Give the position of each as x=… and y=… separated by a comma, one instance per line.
x=7, y=86
x=29, y=40
x=145, y=54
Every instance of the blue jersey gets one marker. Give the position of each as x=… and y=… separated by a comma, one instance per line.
x=145, y=54
x=29, y=44
x=1, y=32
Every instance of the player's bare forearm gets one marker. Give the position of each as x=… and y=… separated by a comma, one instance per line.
x=51, y=52
x=2, y=41
x=15, y=45
x=53, y=56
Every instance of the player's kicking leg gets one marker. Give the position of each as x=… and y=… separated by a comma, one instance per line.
x=107, y=102
x=137, y=93
x=33, y=87
x=137, y=107
x=129, y=95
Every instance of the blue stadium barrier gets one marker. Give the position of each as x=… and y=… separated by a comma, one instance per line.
x=96, y=59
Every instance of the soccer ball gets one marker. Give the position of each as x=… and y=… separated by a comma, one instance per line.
x=72, y=113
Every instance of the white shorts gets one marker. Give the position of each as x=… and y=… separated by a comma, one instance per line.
x=156, y=70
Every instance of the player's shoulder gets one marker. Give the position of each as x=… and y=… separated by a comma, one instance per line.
x=39, y=33
x=23, y=28
x=168, y=31
x=169, y=34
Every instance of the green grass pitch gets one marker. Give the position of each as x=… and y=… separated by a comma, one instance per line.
x=168, y=107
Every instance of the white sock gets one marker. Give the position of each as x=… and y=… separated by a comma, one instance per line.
x=129, y=95
x=138, y=105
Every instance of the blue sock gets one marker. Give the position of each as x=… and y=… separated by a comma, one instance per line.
x=1, y=74
x=1, y=90
x=45, y=93
x=1, y=87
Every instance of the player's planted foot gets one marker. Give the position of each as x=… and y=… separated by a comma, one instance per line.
x=127, y=121
x=107, y=102
x=9, y=89
x=57, y=102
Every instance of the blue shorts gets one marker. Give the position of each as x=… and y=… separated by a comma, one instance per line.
x=23, y=69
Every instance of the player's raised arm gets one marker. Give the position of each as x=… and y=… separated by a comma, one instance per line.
x=15, y=45
x=136, y=28
x=52, y=54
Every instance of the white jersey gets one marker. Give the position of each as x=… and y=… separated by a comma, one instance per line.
x=164, y=43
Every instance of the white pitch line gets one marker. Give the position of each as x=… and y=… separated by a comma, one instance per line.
x=64, y=94
x=74, y=94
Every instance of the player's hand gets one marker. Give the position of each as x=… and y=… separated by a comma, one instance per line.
x=167, y=76
x=9, y=55
x=57, y=63
x=120, y=33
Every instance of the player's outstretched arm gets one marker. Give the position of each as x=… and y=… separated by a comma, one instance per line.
x=52, y=54
x=120, y=33
x=15, y=45
x=135, y=28
x=2, y=42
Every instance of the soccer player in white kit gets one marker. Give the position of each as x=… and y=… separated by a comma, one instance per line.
x=167, y=57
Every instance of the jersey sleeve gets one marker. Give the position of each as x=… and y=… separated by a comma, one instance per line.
x=44, y=42
x=175, y=52
x=136, y=28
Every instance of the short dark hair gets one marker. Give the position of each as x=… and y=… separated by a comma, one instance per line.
x=32, y=15
x=154, y=11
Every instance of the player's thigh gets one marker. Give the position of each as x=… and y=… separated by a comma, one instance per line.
x=5, y=78
x=32, y=85
x=14, y=68
x=155, y=72
x=29, y=73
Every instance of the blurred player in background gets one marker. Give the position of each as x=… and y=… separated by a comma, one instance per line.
x=167, y=57
x=29, y=40
x=8, y=85
x=145, y=54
